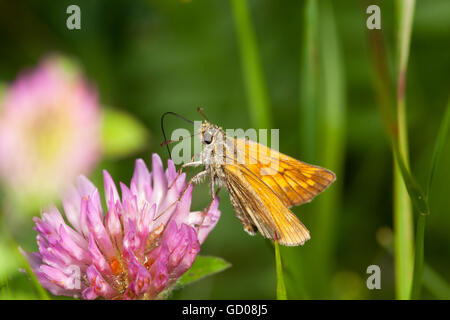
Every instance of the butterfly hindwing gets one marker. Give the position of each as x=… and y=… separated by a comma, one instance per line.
x=253, y=198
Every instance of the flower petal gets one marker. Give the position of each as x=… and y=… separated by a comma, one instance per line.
x=98, y=286
x=141, y=181
x=160, y=277
x=189, y=256
x=159, y=181
x=72, y=204
x=205, y=223
x=97, y=258
x=98, y=230
x=111, y=193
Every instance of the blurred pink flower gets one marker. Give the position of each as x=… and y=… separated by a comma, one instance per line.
x=135, y=251
x=49, y=129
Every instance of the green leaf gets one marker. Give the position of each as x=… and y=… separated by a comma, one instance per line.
x=203, y=266
x=281, y=287
x=439, y=145
x=122, y=134
x=309, y=80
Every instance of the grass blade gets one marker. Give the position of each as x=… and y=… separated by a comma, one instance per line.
x=331, y=138
x=386, y=106
x=439, y=145
x=293, y=257
x=403, y=219
x=421, y=222
x=418, y=257
x=258, y=100
x=281, y=287
x=309, y=75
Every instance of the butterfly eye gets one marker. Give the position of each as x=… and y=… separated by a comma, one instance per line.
x=207, y=138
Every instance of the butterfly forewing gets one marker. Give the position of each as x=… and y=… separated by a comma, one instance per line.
x=295, y=182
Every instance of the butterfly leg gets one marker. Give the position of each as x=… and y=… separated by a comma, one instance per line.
x=205, y=212
x=199, y=177
x=211, y=184
x=212, y=201
x=192, y=163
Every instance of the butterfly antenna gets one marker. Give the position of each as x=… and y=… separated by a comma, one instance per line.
x=200, y=110
x=167, y=142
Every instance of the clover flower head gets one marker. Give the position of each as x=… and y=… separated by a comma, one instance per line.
x=136, y=249
x=49, y=129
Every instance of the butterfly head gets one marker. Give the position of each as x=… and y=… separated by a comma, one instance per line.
x=210, y=133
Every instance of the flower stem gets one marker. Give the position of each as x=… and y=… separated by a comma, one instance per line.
x=281, y=287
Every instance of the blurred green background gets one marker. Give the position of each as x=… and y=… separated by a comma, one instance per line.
x=149, y=57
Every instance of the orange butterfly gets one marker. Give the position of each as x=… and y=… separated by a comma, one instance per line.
x=263, y=183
